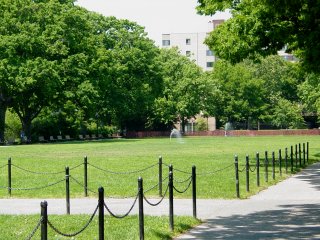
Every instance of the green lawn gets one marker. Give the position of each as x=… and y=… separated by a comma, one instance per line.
x=208, y=154
x=20, y=227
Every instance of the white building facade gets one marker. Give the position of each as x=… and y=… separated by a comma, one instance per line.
x=192, y=45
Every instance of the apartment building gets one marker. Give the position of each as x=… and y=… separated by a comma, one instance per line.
x=192, y=45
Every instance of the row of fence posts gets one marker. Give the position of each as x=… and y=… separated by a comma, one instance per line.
x=44, y=205
x=85, y=181
x=300, y=156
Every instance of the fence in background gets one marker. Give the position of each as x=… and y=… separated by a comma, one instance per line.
x=296, y=158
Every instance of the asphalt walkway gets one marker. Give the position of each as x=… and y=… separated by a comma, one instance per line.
x=288, y=210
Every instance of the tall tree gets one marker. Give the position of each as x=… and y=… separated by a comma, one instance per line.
x=126, y=73
x=183, y=89
x=244, y=97
x=38, y=41
x=263, y=27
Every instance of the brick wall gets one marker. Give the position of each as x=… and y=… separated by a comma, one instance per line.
x=229, y=133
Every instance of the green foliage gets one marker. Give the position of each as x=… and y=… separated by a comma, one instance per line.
x=287, y=114
x=201, y=124
x=60, y=57
x=183, y=89
x=264, y=27
x=252, y=91
x=309, y=93
x=243, y=93
x=13, y=127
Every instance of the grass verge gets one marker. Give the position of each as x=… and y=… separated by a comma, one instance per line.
x=213, y=157
x=20, y=227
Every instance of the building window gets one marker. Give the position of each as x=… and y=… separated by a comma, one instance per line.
x=165, y=42
x=188, y=41
x=188, y=53
x=209, y=53
x=209, y=64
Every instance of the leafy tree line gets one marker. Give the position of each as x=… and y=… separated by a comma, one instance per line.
x=261, y=28
x=67, y=71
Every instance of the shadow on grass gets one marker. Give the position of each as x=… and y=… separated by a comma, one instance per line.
x=106, y=140
x=178, y=228
x=161, y=235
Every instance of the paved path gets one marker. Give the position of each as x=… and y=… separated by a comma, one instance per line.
x=288, y=210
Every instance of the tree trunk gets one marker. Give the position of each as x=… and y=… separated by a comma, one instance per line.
x=26, y=128
x=3, y=109
x=183, y=125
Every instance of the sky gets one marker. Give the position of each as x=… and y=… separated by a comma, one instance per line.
x=157, y=16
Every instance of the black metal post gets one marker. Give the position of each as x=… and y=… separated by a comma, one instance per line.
x=236, y=165
x=266, y=163
x=247, y=173
x=171, y=223
x=101, y=213
x=286, y=159
x=141, y=214
x=300, y=163
x=160, y=176
x=291, y=158
x=85, y=163
x=304, y=153
x=68, y=190
x=273, y=166
x=296, y=155
x=258, y=169
x=280, y=162
x=9, y=176
x=44, y=221
x=307, y=152
x=194, y=192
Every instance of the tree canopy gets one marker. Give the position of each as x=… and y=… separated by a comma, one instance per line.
x=58, y=56
x=263, y=27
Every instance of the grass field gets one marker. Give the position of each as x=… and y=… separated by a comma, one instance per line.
x=208, y=154
x=20, y=227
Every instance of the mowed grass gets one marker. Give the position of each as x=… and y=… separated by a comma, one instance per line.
x=208, y=154
x=21, y=226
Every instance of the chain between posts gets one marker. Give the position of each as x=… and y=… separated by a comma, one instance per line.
x=124, y=215
x=183, y=191
x=123, y=173
x=183, y=181
x=78, y=232
x=156, y=204
x=35, y=229
x=43, y=173
x=214, y=172
x=4, y=166
x=80, y=184
x=34, y=188
x=154, y=186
